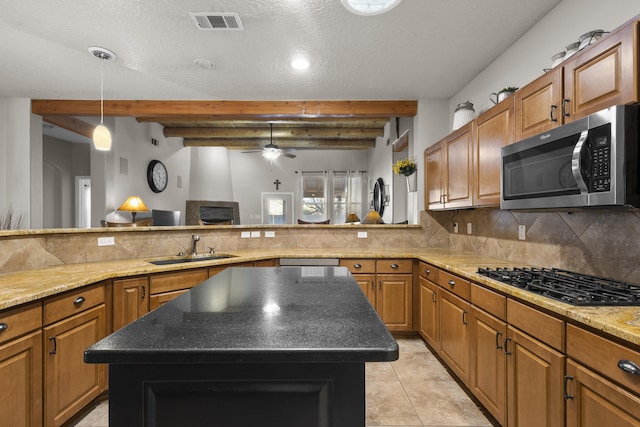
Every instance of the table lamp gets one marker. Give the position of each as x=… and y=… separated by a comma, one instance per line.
x=372, y=217
x=352, y=218
x=133, y=204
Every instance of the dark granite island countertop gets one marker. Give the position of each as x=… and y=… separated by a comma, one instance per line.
x=279, y=346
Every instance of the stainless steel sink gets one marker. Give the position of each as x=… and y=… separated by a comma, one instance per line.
x=183, y=260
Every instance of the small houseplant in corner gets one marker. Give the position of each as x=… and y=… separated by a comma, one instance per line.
x=408, y=168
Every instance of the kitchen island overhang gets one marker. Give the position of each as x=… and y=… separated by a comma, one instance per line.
x=279, y=346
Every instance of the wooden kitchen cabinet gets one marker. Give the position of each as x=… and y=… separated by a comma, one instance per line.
x=167, y=286
x=452, y=157
x=494, y=129
x=429, y=302
x=600, y=76
x=130, y=300
x=21, y=366
x=73, y=321
x=455, y=337
x=364, y=272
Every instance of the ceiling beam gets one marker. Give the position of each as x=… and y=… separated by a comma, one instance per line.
x=319, y=144
x=229, y=109
x=213, y=121
x=279, y=134
x=72, y=124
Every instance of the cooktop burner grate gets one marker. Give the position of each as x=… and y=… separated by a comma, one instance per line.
x=567, y=286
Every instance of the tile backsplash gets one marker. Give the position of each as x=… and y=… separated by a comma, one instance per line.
x=603, y=243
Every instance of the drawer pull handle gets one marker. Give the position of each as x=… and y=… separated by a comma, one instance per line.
x=567, y=396
x=3, y=327
x=357, y=265
x=565, y=113
x=433, y=296
x=451, y=282
x=465, y=315
x=394, y=266
x=55, y=345
x=79, y=300
x=553, y=108
x=144, y=292
x=629, y=367
x=427, y=271
x=506, y=349
x=498, y=336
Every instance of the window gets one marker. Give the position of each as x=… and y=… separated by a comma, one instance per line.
x=331, y=195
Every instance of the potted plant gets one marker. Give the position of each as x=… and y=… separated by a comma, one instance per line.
x=503, y=94
x=408, y=168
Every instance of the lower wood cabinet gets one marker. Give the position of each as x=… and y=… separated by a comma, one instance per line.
x=69, y=383
x=21, y=366
x=367, y=283
x=167, y=286
x=455, y=334
x=130, y=300
x=535, y=375
x=429, y=303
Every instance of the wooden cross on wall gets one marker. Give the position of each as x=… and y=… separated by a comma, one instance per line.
x=277, y=183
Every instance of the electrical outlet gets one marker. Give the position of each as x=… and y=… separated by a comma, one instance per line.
x=455, y=227
x=245, y=234
x=522, y=232
x=255, y=234
x=106, y=241
x=269, y=234
x=469, y=228
x=362, y=234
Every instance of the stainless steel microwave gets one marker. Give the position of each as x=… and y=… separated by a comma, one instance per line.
x=591, y=162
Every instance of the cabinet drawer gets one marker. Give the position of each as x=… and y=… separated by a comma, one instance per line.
x=69, y=303
x=428, y=271
x=359, y=265
x=544, y=327
x=489, y=301
x=394, y=266
x=455, y=284
x=602, y=355
x=175, y=281
x=20, y=320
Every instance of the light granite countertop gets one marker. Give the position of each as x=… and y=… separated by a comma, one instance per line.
x=31, y=285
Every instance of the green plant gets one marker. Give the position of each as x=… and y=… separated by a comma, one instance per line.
x=509, y=89
x=405, y=167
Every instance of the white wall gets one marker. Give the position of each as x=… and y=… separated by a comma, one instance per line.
x=525, y=60
x=379, y=166
x=210, y=174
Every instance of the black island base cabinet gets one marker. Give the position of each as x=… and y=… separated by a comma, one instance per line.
x=282, y=346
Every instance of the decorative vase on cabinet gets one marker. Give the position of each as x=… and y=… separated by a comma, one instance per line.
x=412, y=182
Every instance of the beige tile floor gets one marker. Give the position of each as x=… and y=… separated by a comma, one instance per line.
x=415, y=390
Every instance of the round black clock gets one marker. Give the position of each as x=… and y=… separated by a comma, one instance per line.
x=157, y=176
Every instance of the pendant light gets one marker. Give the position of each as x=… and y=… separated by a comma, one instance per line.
x=101, y=134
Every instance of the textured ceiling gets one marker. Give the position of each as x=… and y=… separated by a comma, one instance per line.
x=420, y=49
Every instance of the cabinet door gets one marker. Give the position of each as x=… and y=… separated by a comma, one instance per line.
x=595, y=402
x=535, y=374
x=70, y=384
x=21, y=373
x=434, y=170
x=538, y=105
x=429, y=296
x=494, y=129
x=367, y=283
x=454, y=334
x=158, y=300
x=129, y=300
x=459, y=168
x=393, y=300
x=488, y=380
x=603, y=75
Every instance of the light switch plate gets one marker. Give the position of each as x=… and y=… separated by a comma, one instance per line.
x=362, y=234
x=455, y=227
x=106, y=241
x=245, y=234
x=522, y=232
x=469, y=228
x=269, y=234
x=255, y=234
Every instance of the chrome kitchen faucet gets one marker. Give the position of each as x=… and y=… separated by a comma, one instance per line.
x=194, y=242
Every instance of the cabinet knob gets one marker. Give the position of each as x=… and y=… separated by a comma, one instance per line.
x=451, y=282
x=3, y=327
x=427, y=271
x=357, y=265
x=79, y=300
x=394, y=266
x=629, y=367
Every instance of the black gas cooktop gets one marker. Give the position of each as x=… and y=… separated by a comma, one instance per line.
x=567, y=286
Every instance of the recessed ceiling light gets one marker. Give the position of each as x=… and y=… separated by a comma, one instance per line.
x=204, y=64
x=370, y=7
x=300, y=63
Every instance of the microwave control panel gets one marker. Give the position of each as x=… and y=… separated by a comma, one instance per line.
x=601, y=164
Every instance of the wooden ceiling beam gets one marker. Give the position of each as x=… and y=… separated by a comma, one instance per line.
x=278, y=134
x=322, y=144
x=72, y=124
x=229, y=109
x=210, y=121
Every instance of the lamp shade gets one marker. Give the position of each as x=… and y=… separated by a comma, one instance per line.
x=372, y=218
x=133, y=204
x=102, y=138
x=352, y=218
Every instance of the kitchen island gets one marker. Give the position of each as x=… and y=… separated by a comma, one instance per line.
x=281, y=346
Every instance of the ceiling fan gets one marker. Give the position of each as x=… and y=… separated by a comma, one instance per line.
x=271, y=151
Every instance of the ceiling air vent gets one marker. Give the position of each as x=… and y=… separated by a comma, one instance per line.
x=217, y=21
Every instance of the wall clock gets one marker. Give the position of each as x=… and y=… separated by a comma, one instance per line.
x=157, y=176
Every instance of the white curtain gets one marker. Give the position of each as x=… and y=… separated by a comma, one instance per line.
x=356, y=193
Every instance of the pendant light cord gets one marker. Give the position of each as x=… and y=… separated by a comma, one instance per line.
x=101, y=90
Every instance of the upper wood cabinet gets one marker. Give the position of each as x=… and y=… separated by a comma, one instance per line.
x=598, y=77
x=448, y=165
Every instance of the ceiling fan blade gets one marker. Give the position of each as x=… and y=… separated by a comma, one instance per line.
x=254, y=151
x=287, y=154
